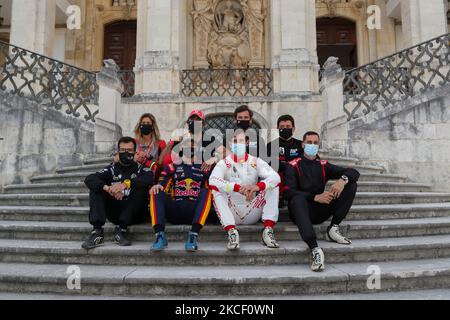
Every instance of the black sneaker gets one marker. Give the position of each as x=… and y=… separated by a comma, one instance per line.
x=120, y=237
x=96, y=239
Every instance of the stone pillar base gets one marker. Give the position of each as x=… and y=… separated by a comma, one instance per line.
x=157, y=73
x=107, y=132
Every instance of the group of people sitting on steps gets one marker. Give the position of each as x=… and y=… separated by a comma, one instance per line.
x=195, y=180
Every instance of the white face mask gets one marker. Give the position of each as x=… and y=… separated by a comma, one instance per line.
x=239, y=149
x=311, y=150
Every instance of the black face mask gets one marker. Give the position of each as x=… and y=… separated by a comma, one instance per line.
x=146, y=129
x=286, y=134
x=175, y=144
x=189, y=153
x=126, y=158
x=191, y=126
x=243, y=124
x=192, y=153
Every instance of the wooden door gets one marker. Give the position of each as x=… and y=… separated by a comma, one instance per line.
x=120, y=43
x=337, y=37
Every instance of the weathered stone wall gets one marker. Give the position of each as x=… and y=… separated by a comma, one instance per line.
x=37, y=140
x=171, y=113
x=411, y=139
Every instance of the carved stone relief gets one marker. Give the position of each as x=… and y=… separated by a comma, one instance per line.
x=228, y=33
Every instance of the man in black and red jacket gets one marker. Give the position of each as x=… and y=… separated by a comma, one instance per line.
x=309, y=203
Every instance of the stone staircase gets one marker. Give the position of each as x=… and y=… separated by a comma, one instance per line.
x=399, y=226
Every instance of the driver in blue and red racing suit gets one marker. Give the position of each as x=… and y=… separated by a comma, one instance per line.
x=182, y=197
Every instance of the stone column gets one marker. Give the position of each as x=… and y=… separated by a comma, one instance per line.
x=331, y=87
x=385, y=37
x=294, y=46
x=33, y=25
x=335, y=127
x=107, y=132
x=32, y=28
x=158, y=47
x=423, y=20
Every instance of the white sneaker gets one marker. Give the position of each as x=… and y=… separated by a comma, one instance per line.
x=318, y=260
x=269, y=239
x=233, y=239
x=334, y=235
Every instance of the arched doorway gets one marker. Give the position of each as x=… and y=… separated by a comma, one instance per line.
x=337, y=37
x=222, y=122
x=120, y=45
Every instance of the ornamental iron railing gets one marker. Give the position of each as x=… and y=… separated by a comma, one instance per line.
x=398, y=77
x=49, y=82
x=227, y=82
x=128, y=80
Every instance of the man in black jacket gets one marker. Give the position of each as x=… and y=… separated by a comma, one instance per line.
x=118, y=193
x=309, y=203
x=243, y=119
x=289, y=148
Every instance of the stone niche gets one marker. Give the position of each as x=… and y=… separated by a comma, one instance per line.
x=229, y=33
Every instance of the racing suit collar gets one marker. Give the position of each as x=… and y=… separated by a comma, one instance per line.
x=236, y=160
x=306, y=159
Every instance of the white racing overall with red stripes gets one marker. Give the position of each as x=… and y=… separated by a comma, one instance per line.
x=232, y=207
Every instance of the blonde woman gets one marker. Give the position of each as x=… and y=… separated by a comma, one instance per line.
x=149, y=143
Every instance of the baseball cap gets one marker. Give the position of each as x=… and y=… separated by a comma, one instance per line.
x=197, y=113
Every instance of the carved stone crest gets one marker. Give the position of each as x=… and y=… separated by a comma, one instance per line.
x=228, y=33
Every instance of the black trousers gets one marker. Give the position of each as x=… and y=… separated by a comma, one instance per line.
x=306, y=213
x=133, y=210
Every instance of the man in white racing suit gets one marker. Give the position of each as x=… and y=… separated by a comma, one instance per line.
x=245, y=191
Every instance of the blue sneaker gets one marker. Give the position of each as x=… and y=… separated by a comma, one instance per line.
x=192, y=242
x=160, y=242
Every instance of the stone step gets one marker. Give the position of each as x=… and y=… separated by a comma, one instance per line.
x=228, y=281
x=420, y=295
x=44, y=213
x=370, y=186
x=285, y=231
x=80, y=176
x=98, y=166
x=55, y=213
x=357, y=212
x=68, y=200
x=397, y=211
x=80, y=187
x=33, y=188
x=375, y=198
x=98, y=160
x=82, y=199
x=377, y=177
x=14, y=296
x=216, y=254
x=342, y=161
x=368, y=169
x=84, y=168
x=334, y=159
x=59, y=178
